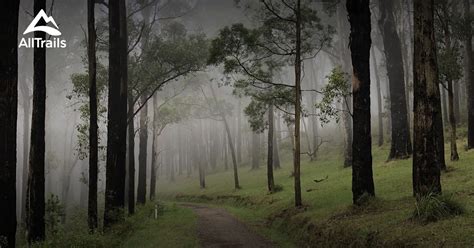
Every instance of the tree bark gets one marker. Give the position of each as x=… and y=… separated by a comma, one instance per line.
x=379, y=99
x=36, y=186
x=93, y=127
x=469, y=72
x=142, y=154
x=362, y=178
x=276, y=153
x=427, y=106
x=297, y=155
x=26, y=145
x=270, y=180
x=400, y=143
x=9, y=13
x=117, y=114
x=452, y=123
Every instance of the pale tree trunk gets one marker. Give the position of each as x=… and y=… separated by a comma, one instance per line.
x=379, y=99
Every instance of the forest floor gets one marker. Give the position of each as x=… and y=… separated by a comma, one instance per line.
x=328, y=218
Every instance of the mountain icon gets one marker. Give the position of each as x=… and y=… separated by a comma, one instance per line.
x=49, y=30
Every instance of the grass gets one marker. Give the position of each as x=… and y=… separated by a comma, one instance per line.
x=328, y=218
x=174, y=227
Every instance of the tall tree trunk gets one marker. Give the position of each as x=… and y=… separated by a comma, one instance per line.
x=468, y=75
x=427, y=105
x=362, y=178
x=142, y=154
x=444, y=106
x=117, y=114
x=255, y=150
x=225, y=150
x=8, y=119
x=379, y=99
x=452, y=123
x=131, y=155
x=36, y=186
x=93, y=127
x=154, y=147
x=400, y=143
x=239, y=134
x=345, y=61
x=297, y=155
x=270, y=180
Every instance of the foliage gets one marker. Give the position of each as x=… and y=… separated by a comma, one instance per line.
x=433, y=207
x=54, y=213
x=335, y=92
x=80, y=100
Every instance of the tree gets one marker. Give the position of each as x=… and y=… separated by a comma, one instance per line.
x=117, y=114
x=468, y=73
x=8, y=120
x=270, y=180
x=427, y=106
x=400, y=142
x=35, y=192
x=288, y=34
x=93, y=127
x=360, y=43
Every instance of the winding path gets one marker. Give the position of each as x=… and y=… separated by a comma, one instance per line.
x=217, y=228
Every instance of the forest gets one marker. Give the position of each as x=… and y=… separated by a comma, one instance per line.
x=236, y=123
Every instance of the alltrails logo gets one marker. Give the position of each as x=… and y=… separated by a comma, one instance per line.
x=39, y=42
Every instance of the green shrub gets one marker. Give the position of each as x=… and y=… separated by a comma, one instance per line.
x=433, y=207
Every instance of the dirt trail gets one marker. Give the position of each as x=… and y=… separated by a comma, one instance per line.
x=217, y=228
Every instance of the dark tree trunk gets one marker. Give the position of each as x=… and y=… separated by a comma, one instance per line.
x=400, y=143
x=296, y=154
x=270, y=180
x=93, y=136
x=379, y=100
x=468, y=72
x=117, y=114
x=255, y=150
x=131, y=155
x=142, y=154
x=427, y=105
x=362, y=178
x=8, y=119
x=36, y=186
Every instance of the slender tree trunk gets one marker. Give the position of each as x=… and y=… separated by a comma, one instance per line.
x=362, y=178
x=297, y=155
x=469, y=72
x=225, y=150
x=9, y=12
x=379, y=99
x=154, y=147
x=444, y=106
x=239, y=134
x=452, y=123
x=427, y=106
x=131, y=155
x=142, y=154
x=36, y=175
x=93, y=136
x=255, y=150
x=400, y=143
x=117, y=114
x=270, y=180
